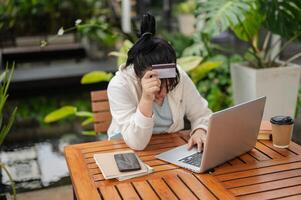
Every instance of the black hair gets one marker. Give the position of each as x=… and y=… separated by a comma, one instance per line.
x=150, y=50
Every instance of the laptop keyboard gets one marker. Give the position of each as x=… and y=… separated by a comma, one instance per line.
x=194, y=159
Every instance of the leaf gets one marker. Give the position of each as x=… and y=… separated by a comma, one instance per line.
x=5, y=130
x=188, y=63
x=91, y=133
x=218, y=15
x=282, y=17
x=122, y=54
x=59, y=114
x=87, y=121
x=250, y=26
x=203, y=69
x=84, y=114
x=95, y=77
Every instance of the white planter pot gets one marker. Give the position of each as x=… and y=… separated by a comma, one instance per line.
x=280, y=85
x=186, y=24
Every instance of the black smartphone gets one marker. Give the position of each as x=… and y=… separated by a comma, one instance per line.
x=127, y=162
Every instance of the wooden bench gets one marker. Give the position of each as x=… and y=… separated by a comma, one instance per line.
x=101, y=111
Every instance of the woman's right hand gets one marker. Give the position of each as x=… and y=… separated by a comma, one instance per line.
x=150, y=85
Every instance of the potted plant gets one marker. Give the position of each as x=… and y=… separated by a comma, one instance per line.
x=5, y=125
x=185, y=17
x=261, y=73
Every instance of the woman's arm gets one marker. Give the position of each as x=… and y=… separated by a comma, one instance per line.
x=135, y=121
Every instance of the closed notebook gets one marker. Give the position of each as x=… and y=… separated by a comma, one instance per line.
x=109, y=169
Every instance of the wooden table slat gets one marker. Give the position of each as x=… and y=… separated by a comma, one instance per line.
x=247, y=158
x=268, y=151
x=215, y=187
x=145, y=190
x=261, y=179
x=127, y=191
x=87, y=188
x=162, y=189
x=259, y=171
x=197, y=187
x=258, y=155
x=109, y=193
x=295, y=197
x=263, y=173
x=266, y=186
x=283, y=152
x=273, y=194
x=179, y=188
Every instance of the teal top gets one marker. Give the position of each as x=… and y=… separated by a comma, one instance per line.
x=163, y=117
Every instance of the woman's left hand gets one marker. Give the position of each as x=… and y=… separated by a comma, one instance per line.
x=198, y=138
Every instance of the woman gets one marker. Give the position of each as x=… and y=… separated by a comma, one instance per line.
x=141, y=104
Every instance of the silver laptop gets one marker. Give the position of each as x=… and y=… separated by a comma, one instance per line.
x=231, y=132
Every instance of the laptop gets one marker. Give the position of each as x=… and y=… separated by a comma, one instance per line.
x=231, y=132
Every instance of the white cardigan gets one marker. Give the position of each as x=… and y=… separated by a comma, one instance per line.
x=124, y=93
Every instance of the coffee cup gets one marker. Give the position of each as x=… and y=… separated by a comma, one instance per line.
x=282, y=129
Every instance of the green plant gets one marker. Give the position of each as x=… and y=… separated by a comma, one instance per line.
x=186, y=7
x=246, y=18
x=98, y=30
x=71, y=110
x=5, y=126
x=122, y=53
x=45, y=17
x=179, y=41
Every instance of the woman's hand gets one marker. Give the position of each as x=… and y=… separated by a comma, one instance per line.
x=150, y=85
x=198, y=138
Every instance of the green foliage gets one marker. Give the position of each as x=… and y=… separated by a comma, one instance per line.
x=5, y=125
x=203, y=69
x=98, y=30
x=83, y=114
x=65, y=112
x=249, y=26
x=87, y=121
x=221, y=14
x=188, y=63
x=61, y=113
x=178, y=41
x=95, y=77
x=216, y=85
x=122, y=54
x=186, y=7
x=282, y=17
x=36, y=108
x=89, y=133
x=246, y=18
x=33, y=17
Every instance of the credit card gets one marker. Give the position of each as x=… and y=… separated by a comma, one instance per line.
x=167, y=70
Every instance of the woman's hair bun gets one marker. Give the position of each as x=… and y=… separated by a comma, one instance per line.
x=148, y=25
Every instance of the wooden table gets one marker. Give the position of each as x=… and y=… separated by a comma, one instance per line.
x=263, y=173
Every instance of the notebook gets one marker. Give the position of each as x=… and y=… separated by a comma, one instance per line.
x=109, y=169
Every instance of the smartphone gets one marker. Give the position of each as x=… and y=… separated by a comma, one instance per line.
x=167, y=70
x=127, y=162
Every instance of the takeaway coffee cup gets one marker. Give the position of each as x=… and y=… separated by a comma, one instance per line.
x=282, y=128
